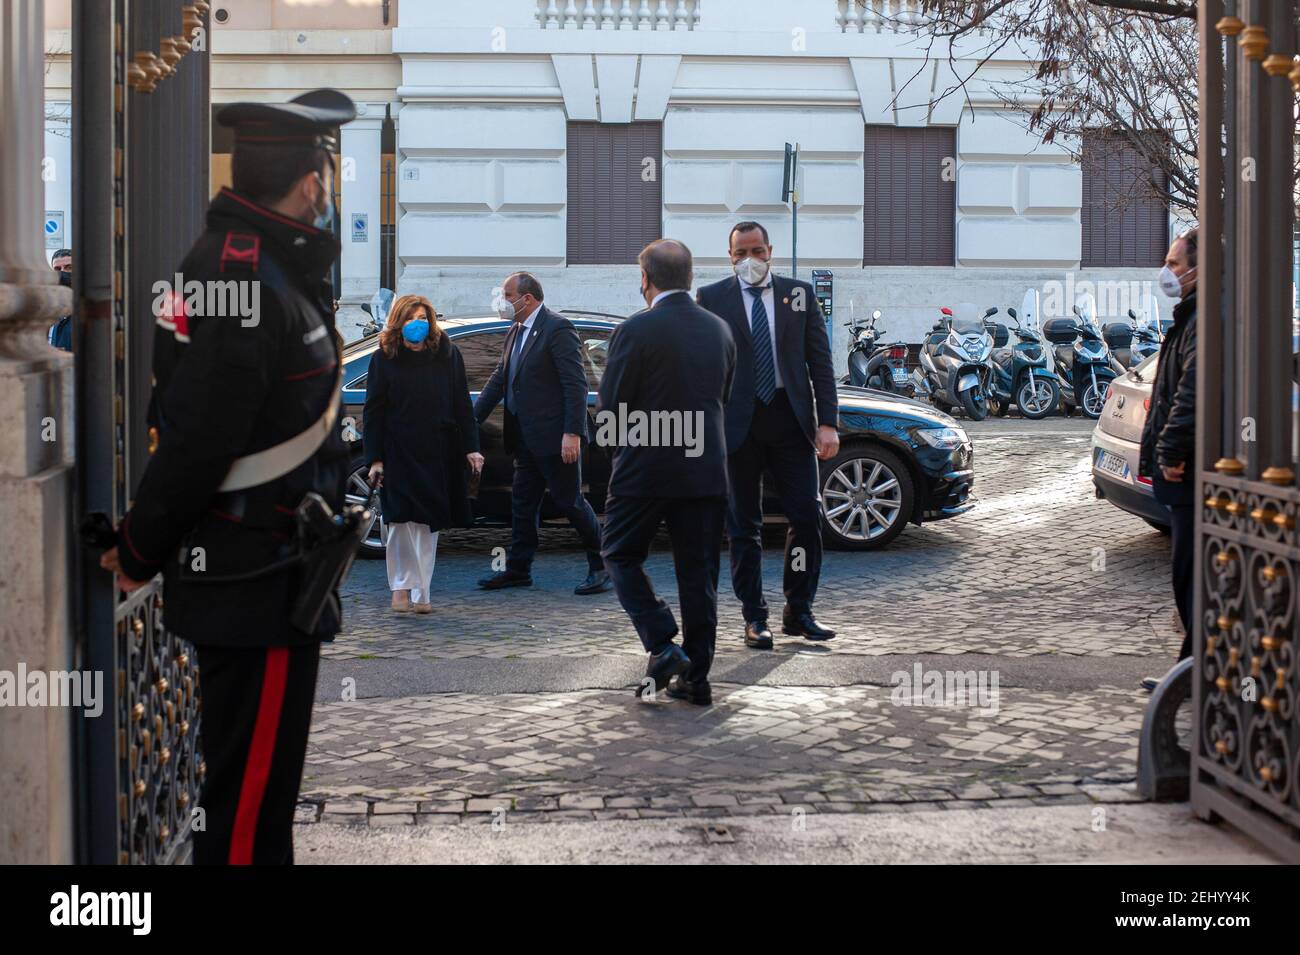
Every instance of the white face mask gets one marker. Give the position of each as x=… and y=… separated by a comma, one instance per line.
x=751, y=270
x=505, y=309
x=1170, y=283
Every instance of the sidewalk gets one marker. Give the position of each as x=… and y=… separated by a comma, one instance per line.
x=1142, y=833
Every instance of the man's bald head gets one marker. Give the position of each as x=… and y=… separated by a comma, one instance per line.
x=668, y=265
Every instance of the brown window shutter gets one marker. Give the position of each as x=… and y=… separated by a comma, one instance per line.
x=1123, y=225
x=613, y=212
x=908, y=209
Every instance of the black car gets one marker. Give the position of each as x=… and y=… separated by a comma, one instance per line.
x=899, y=460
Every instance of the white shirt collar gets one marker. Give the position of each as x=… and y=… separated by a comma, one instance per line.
x=672, y=291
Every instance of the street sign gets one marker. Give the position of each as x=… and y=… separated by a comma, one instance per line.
x=360, y=227
x=54, y=229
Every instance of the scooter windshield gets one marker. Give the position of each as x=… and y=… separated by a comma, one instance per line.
x=967, y=326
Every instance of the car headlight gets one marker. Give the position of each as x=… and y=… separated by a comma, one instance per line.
x=943, y=438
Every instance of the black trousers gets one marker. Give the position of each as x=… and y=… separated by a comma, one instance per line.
x=1182, y=538
x=695, y=529
x=256, y=716
x=534, y=476
x=777, y=444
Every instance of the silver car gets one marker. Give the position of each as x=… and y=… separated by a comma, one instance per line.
x=1117, y=442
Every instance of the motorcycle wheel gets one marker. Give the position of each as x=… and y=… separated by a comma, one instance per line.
x=1038, y=397
x=1093, y=399
x=975, y=404
x=997, y=407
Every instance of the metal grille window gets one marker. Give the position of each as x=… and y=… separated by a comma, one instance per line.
x=615, y=201
x=909, y=206
x=1124, y=222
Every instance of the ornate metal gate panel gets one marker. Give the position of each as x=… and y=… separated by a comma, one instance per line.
x=1245, y=686
x=141, y=155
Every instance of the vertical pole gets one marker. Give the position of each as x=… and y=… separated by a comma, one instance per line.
x=1276, y=180
x=95, y=117
x=1212, y=331
x=1250, y=234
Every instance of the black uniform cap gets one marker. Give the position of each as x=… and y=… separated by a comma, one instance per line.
x=312, y=119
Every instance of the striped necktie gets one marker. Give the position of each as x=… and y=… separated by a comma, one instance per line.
x=764, y=360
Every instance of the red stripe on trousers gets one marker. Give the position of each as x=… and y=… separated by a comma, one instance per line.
x=260, y=753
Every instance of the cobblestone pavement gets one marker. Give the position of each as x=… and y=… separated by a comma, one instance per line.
x=1038, y=550
x=1039, y=572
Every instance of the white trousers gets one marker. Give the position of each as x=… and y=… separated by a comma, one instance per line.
x=411, y=550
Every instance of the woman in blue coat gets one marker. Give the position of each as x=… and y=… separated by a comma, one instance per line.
x=420, y=440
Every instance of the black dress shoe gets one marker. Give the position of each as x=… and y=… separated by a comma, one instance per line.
x=757, y=636
x=804, y=625
x=1149, y=683
x=699, y=692
x=597, y=582
x=507, y=578
x=665, y=665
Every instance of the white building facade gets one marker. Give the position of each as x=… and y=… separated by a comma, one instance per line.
x=499, y=107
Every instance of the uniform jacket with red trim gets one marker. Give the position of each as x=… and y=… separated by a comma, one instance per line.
x=245, y=357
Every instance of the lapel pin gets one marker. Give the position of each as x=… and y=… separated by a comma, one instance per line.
x=785, y=301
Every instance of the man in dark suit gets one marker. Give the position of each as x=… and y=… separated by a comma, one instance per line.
x=783, y=416
x=542, y=380
x=663, y=397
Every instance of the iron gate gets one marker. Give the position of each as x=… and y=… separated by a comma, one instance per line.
x=1245, y=760
x=140, y=178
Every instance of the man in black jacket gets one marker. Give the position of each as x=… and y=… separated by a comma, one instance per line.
x=1168, y=454
x=783, y=417
x=662, y=402
x=541, y=378
x=236, y=389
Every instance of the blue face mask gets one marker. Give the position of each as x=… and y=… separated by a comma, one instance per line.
x=325, y=220
x=416, y=330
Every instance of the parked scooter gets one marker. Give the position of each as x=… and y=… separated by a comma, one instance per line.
x=1023, y=372
x=377, y=308
x=1136, y=340
x=871, y=365
x=954, y=362
x=1083, y=361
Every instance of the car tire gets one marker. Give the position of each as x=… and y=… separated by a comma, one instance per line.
x=357, y=491
x=875, y=485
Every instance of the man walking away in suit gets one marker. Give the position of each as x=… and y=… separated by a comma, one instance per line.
x=783, y=416
x=671, y=363
x=542, y=380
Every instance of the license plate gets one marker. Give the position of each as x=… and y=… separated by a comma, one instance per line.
x=900, y=375
x=1112, y=464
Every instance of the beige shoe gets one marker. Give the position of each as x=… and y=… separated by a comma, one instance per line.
x=422, y=608
x=401, y=601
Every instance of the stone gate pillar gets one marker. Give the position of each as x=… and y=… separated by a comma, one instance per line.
x=36, y=749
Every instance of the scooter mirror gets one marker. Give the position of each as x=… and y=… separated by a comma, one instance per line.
x=991, y=311
x=1012, y=313
x=876, y=313
x=946, y=311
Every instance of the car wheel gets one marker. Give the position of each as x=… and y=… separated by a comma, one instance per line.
x=867, y=497
x=1038, y=397
x=358, y=492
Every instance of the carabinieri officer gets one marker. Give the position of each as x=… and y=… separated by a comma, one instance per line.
x=244, y=406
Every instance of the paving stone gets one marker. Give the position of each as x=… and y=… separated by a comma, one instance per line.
x=584, y=754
